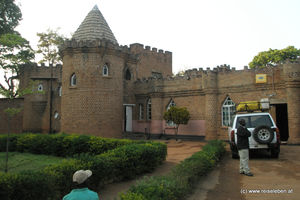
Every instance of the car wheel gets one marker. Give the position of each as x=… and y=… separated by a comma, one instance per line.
x=263, y=134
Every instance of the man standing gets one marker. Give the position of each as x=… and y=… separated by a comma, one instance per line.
x=243, y=147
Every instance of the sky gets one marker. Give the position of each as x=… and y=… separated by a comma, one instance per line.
x=199, y=33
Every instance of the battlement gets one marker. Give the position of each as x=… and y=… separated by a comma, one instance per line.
x=135, y=48
x=41, y=71
x=139, y=48
x=200, y=72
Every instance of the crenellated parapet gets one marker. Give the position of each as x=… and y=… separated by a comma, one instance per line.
x=41, y=71
x=137, y=48
x=71, y=46
x=213, y=80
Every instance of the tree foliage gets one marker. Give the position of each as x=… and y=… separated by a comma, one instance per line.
x=15, y=51
x=273, y=57
x=10, y=15
x=48, y=46
x=178, y=116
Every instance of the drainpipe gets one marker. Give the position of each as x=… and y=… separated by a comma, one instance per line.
x=51, y=99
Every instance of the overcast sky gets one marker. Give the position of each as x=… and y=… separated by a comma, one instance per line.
x=200, y=33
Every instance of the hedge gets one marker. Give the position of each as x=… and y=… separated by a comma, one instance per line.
x=62, y=145
x=181, y=180
x=53, y=182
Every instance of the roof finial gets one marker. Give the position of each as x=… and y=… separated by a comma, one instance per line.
x=96, y=7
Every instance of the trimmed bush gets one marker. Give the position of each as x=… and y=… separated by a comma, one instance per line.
x=181, y=180
x=122, y=159
x=62, y=145
x=27, y=186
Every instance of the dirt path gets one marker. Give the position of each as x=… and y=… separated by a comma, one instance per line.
x=273, y=178
x=177, y=151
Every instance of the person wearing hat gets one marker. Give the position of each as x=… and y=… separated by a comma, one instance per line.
x=243, y=147
x=81, y=192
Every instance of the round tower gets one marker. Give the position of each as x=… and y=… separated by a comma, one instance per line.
x=92, y=80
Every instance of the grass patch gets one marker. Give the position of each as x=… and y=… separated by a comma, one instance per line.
x=26, y=161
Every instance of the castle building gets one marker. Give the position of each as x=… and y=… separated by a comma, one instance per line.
x=106, y=89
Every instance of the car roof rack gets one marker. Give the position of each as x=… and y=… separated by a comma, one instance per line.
x=253, y=106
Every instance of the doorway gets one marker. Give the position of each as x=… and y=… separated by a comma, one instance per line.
x=282, y=121
x=128, y=118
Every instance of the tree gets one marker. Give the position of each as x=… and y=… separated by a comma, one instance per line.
x=273, y=57
x=15, y=52
x=10, y=15
x=178, y=116
x=48, y=46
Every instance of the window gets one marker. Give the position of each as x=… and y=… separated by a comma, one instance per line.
x=56, y=115
x=127, y=75
x=141, y=111
x=228, y=110
x=40, y=87
x=171, y=104
x=59, y=91
x=149, y=115
x=255, y=121
x=105, y=70
x=73, y=80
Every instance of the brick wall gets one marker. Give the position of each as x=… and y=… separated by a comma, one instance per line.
x=95, y=104
x=16, y=122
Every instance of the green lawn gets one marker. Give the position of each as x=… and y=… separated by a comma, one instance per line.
x=26, y=161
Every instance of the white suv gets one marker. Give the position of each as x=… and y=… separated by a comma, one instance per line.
x=264, y=133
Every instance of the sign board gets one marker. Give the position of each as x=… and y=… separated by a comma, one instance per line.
x=261, y=78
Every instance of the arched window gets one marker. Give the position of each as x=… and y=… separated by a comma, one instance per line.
x=228, y=110
x=171, y=104
x=127, y=75
x=40, y=87
x=73, y=80
x=105, y=70
x=149, y=114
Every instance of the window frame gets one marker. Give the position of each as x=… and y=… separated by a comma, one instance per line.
x=60, y=91
x=149, y=109
x=40, y=87
x=171, y=104
x=105, y=70
x=127, y=75
x=73, y=80
x=228, y=108
x=141, y=111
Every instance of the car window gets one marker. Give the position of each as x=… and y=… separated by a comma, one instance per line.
x=261, y=120
x=254, y=121
x=247, y=120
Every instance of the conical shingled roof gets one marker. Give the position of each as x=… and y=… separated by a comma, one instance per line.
x=93, y=27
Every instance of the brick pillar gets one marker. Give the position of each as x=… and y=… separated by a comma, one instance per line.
x=292, y=83
x=209, y=83
x=211, y=127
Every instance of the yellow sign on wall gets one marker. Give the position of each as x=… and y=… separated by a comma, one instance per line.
x=261, y=78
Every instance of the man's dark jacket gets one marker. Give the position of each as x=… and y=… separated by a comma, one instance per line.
x=242, y=138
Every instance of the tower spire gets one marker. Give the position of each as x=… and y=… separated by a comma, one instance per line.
x=93, y=27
